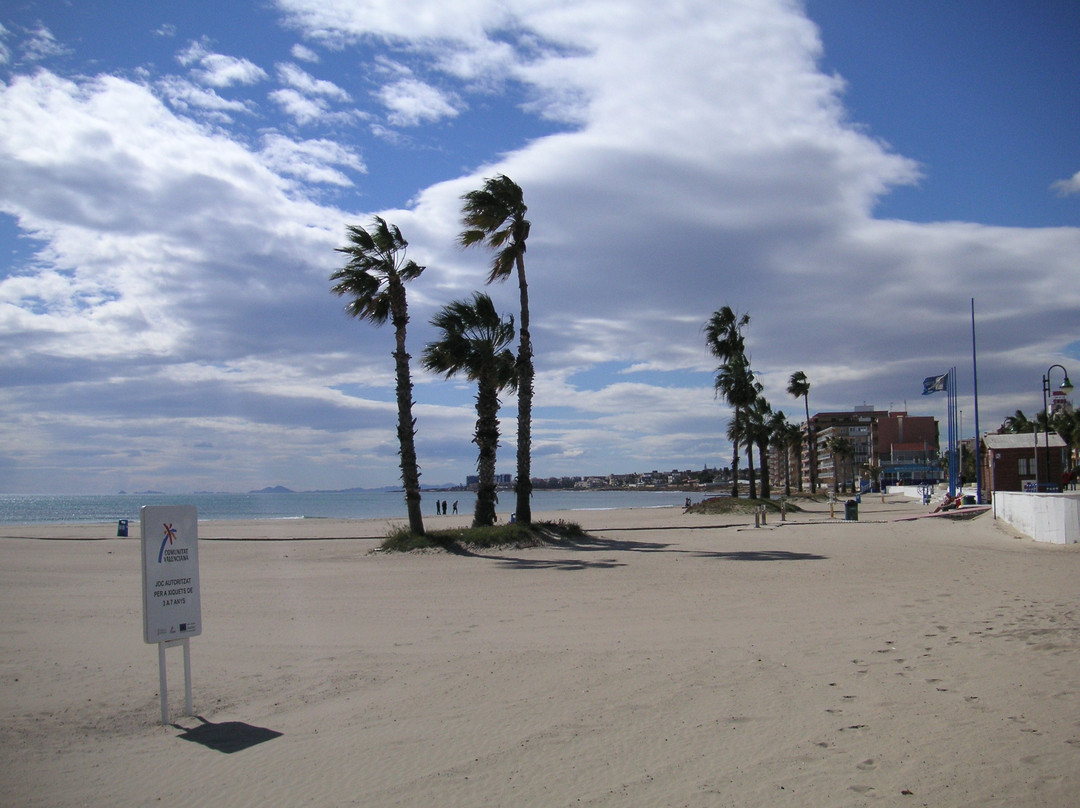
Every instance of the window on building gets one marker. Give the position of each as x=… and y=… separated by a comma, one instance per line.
x=1027, y=466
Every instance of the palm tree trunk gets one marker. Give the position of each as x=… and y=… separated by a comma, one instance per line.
x=735, y=457
x=406, y=429
x=487, y=440
x=763, y=462
x=812, y=448
x=523, y=510
x=750, y=469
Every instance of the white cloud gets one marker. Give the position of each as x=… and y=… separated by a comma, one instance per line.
x=306, y=83
x=425, y=20
x=412, y=102
x=185, y=95
x=140, y=210
x=218, y=69
x=303, y=109
x=41, y=45
x=311, y=160
x=307, y=100
x=1069, y=186
x=304, y=53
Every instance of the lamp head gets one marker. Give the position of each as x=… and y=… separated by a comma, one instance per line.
x=1066, y=386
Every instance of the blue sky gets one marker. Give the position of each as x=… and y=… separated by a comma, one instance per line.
x=174, y=179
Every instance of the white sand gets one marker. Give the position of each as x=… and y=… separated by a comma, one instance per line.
x=678, y=660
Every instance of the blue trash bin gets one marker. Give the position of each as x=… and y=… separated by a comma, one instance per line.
x=121, y=529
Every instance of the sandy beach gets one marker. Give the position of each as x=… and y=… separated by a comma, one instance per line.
x=673, y=660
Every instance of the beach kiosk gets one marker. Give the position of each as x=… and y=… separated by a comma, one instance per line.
x=172, y=608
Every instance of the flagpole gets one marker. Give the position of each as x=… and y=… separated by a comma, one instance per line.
x=975, y=390
x=954, y=450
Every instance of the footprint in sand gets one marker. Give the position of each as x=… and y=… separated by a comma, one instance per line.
x=867, y=764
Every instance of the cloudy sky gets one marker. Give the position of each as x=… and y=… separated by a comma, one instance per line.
x=175, y=177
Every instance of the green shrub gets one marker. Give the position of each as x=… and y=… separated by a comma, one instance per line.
x=726, y=505
x=468, y=539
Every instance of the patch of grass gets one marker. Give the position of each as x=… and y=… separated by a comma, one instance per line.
x=726, y=505
x=469, y=539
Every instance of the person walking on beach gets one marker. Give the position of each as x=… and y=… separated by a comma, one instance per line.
x=455, y=507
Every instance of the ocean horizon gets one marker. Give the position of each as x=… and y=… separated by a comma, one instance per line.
x=363, y=504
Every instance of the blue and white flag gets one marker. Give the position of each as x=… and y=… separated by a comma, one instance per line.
x=935, y=384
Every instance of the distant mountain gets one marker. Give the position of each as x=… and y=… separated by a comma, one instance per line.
x=280, y=489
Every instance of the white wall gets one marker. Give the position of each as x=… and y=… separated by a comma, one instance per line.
x=915, y=491
x=1053, y=518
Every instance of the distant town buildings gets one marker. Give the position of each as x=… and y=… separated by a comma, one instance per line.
x=472, y=481
x=855, y=447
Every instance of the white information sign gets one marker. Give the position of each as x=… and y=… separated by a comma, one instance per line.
x=170, y=544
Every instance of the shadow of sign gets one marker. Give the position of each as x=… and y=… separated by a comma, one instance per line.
x=228, y=736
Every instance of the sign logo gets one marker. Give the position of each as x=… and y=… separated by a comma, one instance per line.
x=170, y=534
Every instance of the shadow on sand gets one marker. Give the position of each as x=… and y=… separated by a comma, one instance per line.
x=228, y=736
x=760, y=555
x=588, y=543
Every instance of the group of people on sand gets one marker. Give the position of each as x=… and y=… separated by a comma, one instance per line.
x=440, y=507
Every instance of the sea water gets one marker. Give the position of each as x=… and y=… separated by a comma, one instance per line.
x=71, y=509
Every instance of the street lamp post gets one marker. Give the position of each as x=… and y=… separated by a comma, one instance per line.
x=1066, y=387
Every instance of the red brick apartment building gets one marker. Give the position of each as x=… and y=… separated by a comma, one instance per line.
x=904, y=446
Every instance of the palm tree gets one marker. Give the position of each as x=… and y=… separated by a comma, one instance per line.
x=778, y=438
x=375, y=277
x=832, y=447
x=795, y=442
x=1018, y=423
x=734, y=381
x=759, y=434
x=474, y=340
x=840, y=449
x=1066, y=423
x=495, y=216
x=799, y=387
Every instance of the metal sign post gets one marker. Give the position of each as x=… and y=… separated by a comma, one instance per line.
x=163, y=678
x=172, y=607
